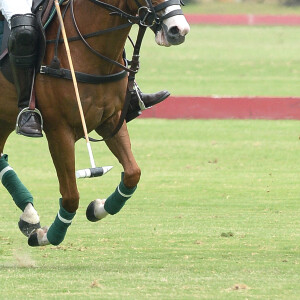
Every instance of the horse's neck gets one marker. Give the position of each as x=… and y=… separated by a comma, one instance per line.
x=132, y=6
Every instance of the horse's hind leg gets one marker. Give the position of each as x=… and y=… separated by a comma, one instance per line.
x=120, y=146
x=29, y=220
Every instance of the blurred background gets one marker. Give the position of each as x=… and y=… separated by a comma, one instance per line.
x=229, y=59
x=243, y=6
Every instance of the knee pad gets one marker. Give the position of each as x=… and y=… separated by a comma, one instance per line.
x=23, y=40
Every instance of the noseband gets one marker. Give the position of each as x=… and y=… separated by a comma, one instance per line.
x=149, y=15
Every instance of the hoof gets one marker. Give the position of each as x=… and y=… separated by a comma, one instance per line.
x=33, y=240
x=90, y=215
x=95, y=211
x=27, y=228
x=38, y=237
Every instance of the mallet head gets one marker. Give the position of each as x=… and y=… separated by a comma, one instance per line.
x=93, y=172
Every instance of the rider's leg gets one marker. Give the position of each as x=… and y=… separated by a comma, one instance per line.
x=140, y=101
x=23, y=52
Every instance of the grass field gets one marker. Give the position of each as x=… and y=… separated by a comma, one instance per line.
x=242, y=7
x=216, y=216
x=225, y=61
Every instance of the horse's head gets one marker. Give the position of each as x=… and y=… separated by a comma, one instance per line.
x=166, y=19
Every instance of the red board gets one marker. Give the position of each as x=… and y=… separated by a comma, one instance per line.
x=282, y=20
x=271, y=108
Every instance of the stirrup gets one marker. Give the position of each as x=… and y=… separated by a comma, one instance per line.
x=31, y=110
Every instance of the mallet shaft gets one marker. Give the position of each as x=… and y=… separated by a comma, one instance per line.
x=63, y=31
x=93, y=171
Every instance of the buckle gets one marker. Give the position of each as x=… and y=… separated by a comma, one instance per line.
x=144, y=13
x=42, y=70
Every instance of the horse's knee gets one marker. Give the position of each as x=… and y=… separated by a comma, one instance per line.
x=132, y=177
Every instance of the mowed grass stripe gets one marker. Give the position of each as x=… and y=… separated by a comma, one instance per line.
x=225, y=61
x=250, y=7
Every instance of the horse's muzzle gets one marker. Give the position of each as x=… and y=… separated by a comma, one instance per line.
x=174, y=34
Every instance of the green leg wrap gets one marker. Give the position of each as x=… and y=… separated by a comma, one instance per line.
x=12, y=183
x=117, y=199
x=58, y=229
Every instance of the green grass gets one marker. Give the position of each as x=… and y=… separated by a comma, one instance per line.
x=225, y=61
x=217, y=206
x=218, y=203
x=243, y=7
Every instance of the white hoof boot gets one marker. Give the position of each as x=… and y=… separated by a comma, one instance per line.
x=39, y=238
x=95, y=211
x=29, y=220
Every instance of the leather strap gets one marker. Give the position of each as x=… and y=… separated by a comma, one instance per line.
x=117, y=11
x=32, y=100
x=47, y=11
x=98, y=54
x=172, y=14
x=165, y=4
x=23, y=20
x=82, y=77
x=131, y=83
x=129, y=91
x=93, y=34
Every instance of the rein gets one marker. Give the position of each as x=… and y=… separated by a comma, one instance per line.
x=91, y=48
x=148, y=16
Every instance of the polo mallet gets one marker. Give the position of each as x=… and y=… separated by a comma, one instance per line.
x=93, y=171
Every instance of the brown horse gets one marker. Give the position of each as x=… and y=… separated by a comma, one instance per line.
x=102, y=105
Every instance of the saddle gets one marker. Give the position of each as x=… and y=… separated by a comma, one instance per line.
x=44, y=11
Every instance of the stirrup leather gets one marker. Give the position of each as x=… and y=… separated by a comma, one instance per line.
x=31, y=110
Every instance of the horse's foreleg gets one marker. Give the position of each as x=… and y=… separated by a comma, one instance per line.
x=61, y=145
x=29, y=219
x=120, y=146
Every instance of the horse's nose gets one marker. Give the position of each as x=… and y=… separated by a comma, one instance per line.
x=174, y=30
x=176, y=35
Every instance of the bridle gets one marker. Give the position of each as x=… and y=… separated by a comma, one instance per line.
x=149, y=14
x=147, y=17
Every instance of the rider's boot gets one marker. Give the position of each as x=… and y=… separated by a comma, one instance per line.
x=23, y=53
x=140, y=101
